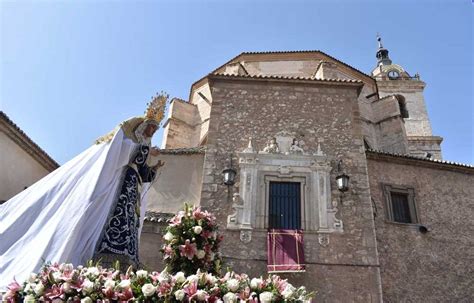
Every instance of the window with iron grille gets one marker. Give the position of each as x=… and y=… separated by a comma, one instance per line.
x=400, y=204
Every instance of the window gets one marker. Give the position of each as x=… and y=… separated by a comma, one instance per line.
x=400, y=204
x=285, y=205
x=403, y=106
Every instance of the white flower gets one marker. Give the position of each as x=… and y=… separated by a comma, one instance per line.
x=142, y=274
x=29, y=299
x=39, y=288
x=163, y=277
x=29, y=286
x=66, y=287
x=124, y=284
x=288, y=291
x=212, y=256
x=66, y=267
x=230, y=297
x=32, y=278
x=197, y=229
x=201, y=295
x=168, y=236
x=87, y=286
x=148, y=290
x=200, y=254
x=180, y=277
x=93, y=271
x=86, y=300
x=211, y=279
x=179, y=295
x=233, y=284
x=255, y=283
x=193, y=278
x=109, y=283
x=56, y=276
x=266, y=297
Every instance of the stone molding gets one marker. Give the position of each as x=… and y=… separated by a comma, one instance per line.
x=257, y=169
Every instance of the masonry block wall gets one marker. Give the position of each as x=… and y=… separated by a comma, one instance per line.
x=347, y=268
x=435, y=266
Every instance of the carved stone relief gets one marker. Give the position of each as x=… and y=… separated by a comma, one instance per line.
x=284, y=160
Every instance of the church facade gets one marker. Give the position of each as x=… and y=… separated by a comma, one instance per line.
x=346, y=159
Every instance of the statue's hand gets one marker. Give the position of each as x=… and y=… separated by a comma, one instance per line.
x=158, y=165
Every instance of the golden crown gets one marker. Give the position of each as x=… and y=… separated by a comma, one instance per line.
x=156, y=107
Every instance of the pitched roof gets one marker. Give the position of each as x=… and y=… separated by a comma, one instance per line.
x=375, y=153
x=279, y=52
x=19, y=137
x=270, y=77
x=304, y=51
x=153, y=216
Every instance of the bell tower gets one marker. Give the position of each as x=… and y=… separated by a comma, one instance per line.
x=393, y=80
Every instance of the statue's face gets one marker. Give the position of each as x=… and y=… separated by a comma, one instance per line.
x=150, y=130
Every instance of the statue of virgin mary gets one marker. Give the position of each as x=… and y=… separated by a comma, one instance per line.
x=90, y=207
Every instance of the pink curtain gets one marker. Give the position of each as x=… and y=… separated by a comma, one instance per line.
x=285, y=250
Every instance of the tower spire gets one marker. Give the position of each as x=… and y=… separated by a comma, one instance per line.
x=382, y=53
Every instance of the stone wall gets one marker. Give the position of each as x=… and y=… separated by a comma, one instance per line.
x=19, y=168
x=315, y=112
x=418, y=123
x=178, y=182
x=431, y=267
x=180, y=128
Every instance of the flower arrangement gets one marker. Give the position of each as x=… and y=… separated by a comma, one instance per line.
x=64, y=283
x=192, y=242
x=192, y=274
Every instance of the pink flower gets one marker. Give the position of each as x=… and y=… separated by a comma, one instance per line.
x=279, y=283
x=109, y=293
x=168, y=250
x=245, y=293
x=125, y=295
x=54, y=292
x=191, y=289
x=197, y=214
x=14, y=286
x=164, y=289
x=188, y=250
x=176, y=220
x=206, y=234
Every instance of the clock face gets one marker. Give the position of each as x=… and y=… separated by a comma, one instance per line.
x=393, y=74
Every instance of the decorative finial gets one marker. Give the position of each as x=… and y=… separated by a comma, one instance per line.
x=379, y=39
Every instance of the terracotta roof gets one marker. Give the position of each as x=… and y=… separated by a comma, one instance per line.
x=286, y=78
x=158, y=217
x=411, y=157
x=304, y=51
x=277, y=52
x=183, y=151
x=19, y=137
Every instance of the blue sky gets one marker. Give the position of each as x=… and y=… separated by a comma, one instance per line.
x=71, y=70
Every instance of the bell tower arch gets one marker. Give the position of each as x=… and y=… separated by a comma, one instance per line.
x=393, y=79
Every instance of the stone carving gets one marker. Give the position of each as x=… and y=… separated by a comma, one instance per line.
x=319, y=152
x=284, y=158
x=233, y=219
x=246, y=236
x=295, y=147
x=250, y=148
x=284, y=170
x=272, y=147
x=323, y=240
